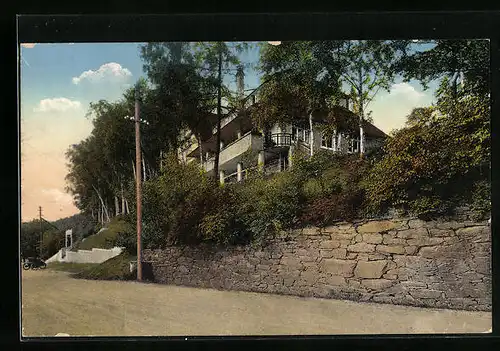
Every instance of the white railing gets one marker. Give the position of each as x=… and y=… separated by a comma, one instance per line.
x=235, y=149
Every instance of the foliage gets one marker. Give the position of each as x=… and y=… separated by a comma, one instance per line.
x=70, y=266
x=116, y=268
x=452, y=59
x=107, y=238
x=53, y=241
x=428, y=165
x=332, y=188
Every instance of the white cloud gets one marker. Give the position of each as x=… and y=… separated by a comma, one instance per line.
x=57, y=105
x=390, y=109
x=108, y=71
x=28, y=45
x=405, y=91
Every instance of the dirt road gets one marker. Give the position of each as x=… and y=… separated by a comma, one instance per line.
x=55, y=303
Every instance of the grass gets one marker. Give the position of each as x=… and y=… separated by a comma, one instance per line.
x=116, y=268
x=106, y=238
x=70, y=267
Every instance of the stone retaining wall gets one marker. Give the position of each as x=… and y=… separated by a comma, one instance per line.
x=406, y=261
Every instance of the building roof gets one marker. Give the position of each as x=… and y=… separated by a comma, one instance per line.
x=344, y=116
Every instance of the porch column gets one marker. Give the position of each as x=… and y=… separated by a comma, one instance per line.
x=335, y=139
x=361, y=140
x=340, y=146
x=311, y=134
x=291, y=151
x=240, y=171
x=239, y=134
x=261, y=160
x=221, y=177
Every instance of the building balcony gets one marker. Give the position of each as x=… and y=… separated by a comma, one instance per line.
x=278, y=140
x=231, y=153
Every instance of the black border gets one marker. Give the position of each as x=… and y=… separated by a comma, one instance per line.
x=374, y=25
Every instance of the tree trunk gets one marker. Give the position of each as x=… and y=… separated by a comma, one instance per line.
x=219, y=115
x=143, y=168
x=133, y=170
x=311, y=134
x=361, y=116
x=123, y=200
x=117, y=206
x=102, y=202
x=126, y=206
x=198, y=139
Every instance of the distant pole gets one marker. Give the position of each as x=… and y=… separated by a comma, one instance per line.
x=138, y=184
x=41, y=229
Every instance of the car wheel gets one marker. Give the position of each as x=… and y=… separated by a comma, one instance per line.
x=26, y=266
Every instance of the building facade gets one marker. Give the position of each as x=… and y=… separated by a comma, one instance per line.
x=273, y=149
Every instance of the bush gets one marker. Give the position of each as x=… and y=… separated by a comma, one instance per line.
x=269, y=205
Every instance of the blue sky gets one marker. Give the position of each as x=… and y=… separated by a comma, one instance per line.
x=58, y=81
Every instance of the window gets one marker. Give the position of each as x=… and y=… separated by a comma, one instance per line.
x=354, y=145
x=306, y=136
x=294, y=133
x=327, y=141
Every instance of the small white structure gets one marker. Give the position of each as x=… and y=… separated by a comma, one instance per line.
x=69, y=239
x=85, y=256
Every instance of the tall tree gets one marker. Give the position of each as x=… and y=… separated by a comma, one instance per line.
x=215, y=59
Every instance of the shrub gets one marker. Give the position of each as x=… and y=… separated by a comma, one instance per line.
x=269, y=205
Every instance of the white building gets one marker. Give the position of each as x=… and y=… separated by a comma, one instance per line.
x=275, y=147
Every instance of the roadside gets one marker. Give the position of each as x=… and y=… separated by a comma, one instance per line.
x=55, y=303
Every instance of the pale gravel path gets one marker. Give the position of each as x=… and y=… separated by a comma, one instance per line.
x=55, y=303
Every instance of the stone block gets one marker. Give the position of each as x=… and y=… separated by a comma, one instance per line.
x=449, y=225
x=389, y=240
x=426, y=294
x=376, y=227
x=425, y=241
x=376, y=256
x=440, y=233
x=361, y=247
x=291, y=262
x=413, y=233
x=335, y=280
x=339, y=253
x=311, y=231
x=309, y=276
x=370, y=270
x=416, y=223
x=330, y=244
x=391, y=249
x=377, y=284
x=343, y=236
x=411, y=250
x=343, y=268
x=372, y=238
x=390, y=276
x=326, y=253
x=482, y=265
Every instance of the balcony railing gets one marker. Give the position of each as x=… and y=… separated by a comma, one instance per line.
x=278, y=139
x=235, y=149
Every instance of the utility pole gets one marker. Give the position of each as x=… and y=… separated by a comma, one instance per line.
x=41, y=229
x=138, y=184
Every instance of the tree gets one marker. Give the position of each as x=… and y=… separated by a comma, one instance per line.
x=317, y=72
x=461, y=60
x=212, y=59
x=365, y=66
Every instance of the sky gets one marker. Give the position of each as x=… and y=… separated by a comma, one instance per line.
x=59, y=81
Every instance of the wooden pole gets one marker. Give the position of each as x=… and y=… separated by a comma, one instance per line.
x=138, y=185
x=41, y=229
